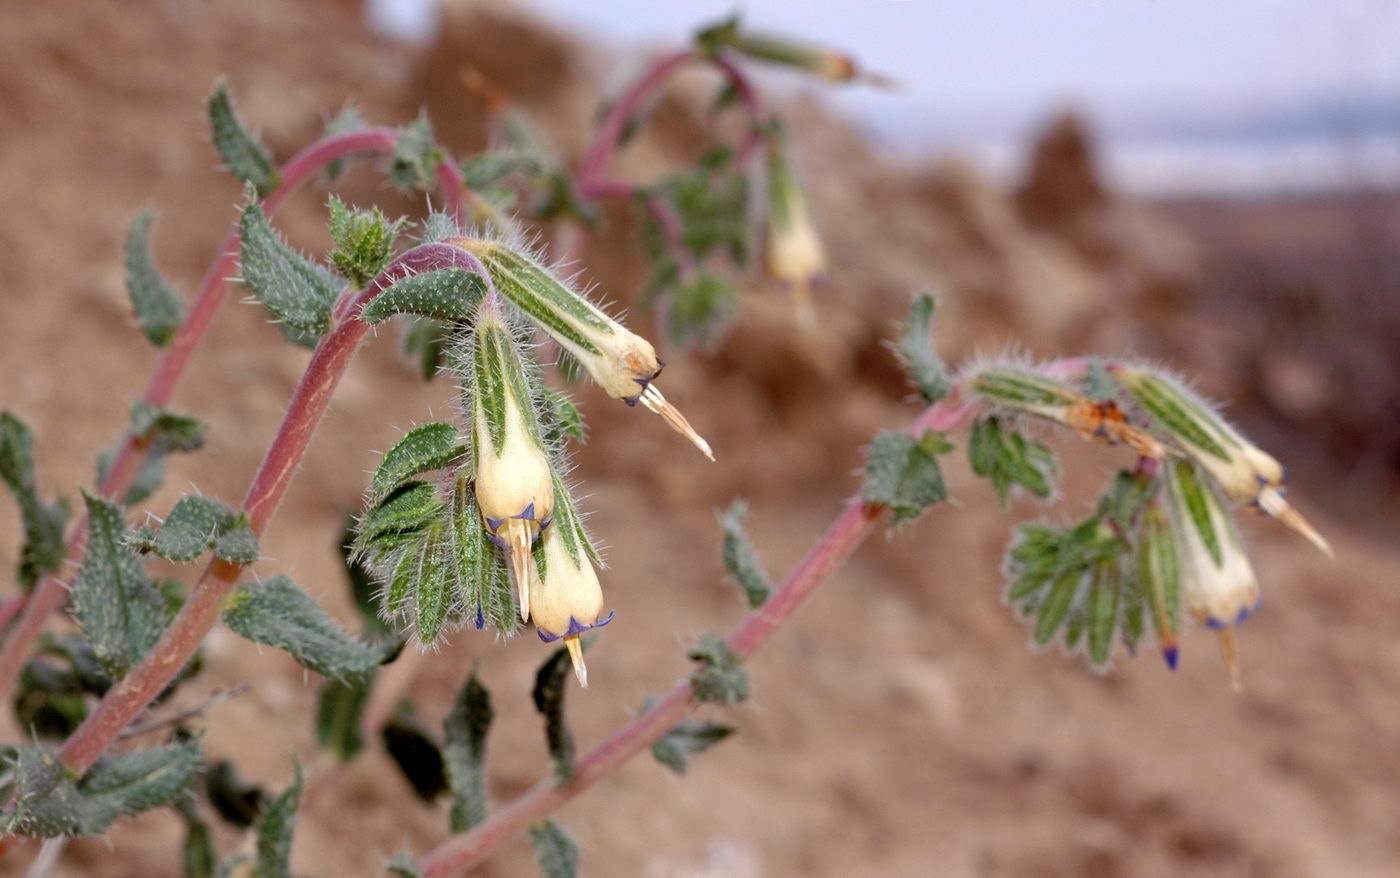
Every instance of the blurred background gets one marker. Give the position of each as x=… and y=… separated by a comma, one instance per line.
x=1213, y=186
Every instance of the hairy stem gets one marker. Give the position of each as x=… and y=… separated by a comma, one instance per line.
x=842, y=537
x=50, y=593
x=201, y=610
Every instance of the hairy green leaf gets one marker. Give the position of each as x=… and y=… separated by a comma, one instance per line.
x=43, y=550
x=279, y=614
x=688, y=738
x=194, y=526
x=464, y=753
x=481, y=583
x=903, y=473
x=448, y=294
x=45, y=801
x=348, y=120
x=116, y=606
x=417, y=755
x=721, y=677
x=158, y=306
x=416, y=157
x=339, y=706
x=298, y=293
x=551, y=683
x=561, y=417
x=556, y=851
x=135, y=782
x=246, y=158
x=409, y=508
x=916, y=350
x=426, y=447
x=1009, y=459
x=740, y=560
x=364, y=240
x=274, y=829
x=171, y=430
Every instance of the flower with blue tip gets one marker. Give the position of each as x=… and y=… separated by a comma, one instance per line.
x=568, y=600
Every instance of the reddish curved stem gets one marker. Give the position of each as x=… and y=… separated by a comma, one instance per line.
x=50, y=594
x=609, y=134
x=846, y=533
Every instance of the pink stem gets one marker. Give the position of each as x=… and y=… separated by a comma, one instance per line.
x=201, y=610
x=748, y=96
x=846, y=533
x=50, y=594
x=610, y=132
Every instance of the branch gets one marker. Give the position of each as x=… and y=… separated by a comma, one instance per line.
x=615, y=122
x=846, y=533
x=201, y=610
x=50, y=594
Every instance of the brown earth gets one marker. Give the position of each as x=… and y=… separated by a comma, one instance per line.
x=900, y=726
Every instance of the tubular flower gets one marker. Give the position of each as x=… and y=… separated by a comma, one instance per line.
x=1025, y=391
x=1246, y=473
x=794, y=253
x=568, y=600
x=1218, y=582
x=623, y=363
x=514, y=480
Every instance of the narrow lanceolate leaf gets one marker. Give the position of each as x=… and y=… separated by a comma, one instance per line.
x=1159, y=575
x=120, y=612
x=740, y=560
x=135, y=782
x=425, y=448
x=416, y=157
x=297, y=293
x=551, y=682
x=482, y=585
x=903, y=473
x=197, y=524
x=158, y=307
x=432, y=585
x=363, y=587
x=339, y=707
x=721, y=677
x=1105, y=588
x=916, y=349
x=688, y=738
x=1009, y=459
x=246, y=158
x=43, y=550
x=408, y=509
x=274, y=829
x=1058, y=601
x=279, y=614
x=446, y=294
x=417, y=755
x=171, y=430
x=556, y=851
x=464, y=752
x=45, y=802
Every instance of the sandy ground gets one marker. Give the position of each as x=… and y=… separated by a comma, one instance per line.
x=900, y=726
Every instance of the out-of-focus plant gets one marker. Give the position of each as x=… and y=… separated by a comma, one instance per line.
x=473, y=522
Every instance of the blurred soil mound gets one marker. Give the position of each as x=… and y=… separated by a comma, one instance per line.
x=901, y=721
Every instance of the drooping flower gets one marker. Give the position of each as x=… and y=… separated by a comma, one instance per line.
x=794, y=252
x=568, y=599
x=623, y=363
x=1246, y=473
x=514, y=480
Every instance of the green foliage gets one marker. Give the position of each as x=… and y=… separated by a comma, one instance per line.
x=170, y=430
x=339, y=706
x=297, y=293
x=274, y=829
x=416, y=157
x=417, y=755
x=403, y=866
x=346, y=121
x=135, y=782
x=688, y=738
x=464, y=753
x=277, y=613
x=699, y=306
x=198, y=859
x=448, y=294
x=1098, y=384
x=246, y=158
x=427, y=447
x=551, y=683
x=903, y=473
x=236, y=802
x=559, y=415
x=721, y=678
x=915, y=348
x=55, y=684
x=711, y=203
x=158, y=306
x=1009, y=459
x=740, y=560
x=364, y=240
x=556, y=851
x=45, y=801
x=363, y=588
x=426, y=342
x=43, y=550
x=397, y=519
x=196, y=525
x=116, y=606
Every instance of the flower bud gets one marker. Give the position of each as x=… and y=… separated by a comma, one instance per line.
x=568, y=600
x=828, y=64
x=1025, y=391
x=623, y=363
x=794, y=253
x=1246, y=473
x=514, y=481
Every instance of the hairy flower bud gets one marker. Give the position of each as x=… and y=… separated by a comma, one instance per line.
x=514, y=480
x=1245, y=472
x=826, y=63
x=794, y=253
x=568, y=600
x=1024, y=391
x=623, y=363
